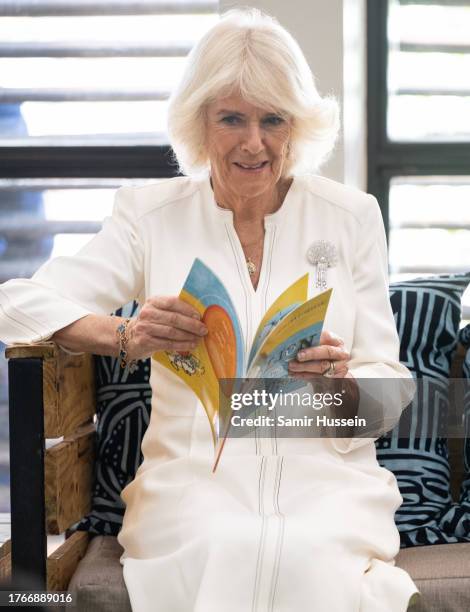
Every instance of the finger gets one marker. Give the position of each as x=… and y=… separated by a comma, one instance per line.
x=156, y=331
x=174, y=303
x=173, y=318
x=325, y=352
x=329, y=337
x=317, y=367
x=312, y=367
x=342, y=371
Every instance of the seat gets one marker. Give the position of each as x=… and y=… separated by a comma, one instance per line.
x=52, y=396
x=98, y=582
x=442, y=574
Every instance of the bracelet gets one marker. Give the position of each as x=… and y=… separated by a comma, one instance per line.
x=123, y=339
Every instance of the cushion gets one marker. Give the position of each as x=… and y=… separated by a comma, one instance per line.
x=441, y=573
x=465, y=489
x=98, y=581
x=123, y=413
x=427, y=314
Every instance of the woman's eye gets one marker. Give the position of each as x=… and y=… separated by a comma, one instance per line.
x=230, y=119
x=273, y=120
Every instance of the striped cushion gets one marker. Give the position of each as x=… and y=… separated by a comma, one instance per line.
x=123, y=414
x=465, y=490
x=427, y=313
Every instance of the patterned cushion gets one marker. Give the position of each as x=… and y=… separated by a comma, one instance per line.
x=123, y=414
x=427, y=314
x=464, y=338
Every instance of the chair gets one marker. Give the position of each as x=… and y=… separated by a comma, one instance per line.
x=52, y=395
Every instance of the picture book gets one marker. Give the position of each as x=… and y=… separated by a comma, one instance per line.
x=292, y=322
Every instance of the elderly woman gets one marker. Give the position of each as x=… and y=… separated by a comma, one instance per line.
x=267, y=531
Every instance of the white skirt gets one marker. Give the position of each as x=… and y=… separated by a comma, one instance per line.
x=296, y=527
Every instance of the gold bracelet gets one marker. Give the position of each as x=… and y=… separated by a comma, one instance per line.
x=123, y=340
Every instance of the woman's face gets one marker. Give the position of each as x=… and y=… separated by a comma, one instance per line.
x=247, y=145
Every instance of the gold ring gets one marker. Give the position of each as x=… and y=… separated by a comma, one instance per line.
x=330, y=371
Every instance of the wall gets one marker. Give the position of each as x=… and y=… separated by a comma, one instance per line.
x=330, y=33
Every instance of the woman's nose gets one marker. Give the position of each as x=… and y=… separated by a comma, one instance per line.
x=253, y=139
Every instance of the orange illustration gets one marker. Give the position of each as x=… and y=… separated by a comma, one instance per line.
x=220, y=341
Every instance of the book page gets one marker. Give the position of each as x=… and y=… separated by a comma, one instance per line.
x=289, y=299
x=301, y=328
x=220, y=354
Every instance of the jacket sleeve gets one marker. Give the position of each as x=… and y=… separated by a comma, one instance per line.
x=376, y=347
x=105, y=274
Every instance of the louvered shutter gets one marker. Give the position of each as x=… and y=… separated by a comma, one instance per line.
x=81, y=73
x=419, y=132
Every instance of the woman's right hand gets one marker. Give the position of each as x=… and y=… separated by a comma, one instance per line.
x=164, y=323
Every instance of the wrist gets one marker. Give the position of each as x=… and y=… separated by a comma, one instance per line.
x=123, y=333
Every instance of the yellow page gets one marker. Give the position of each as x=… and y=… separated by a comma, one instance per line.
x=297, y=292
x=195, y=369
x=305, y=316
x=293, y=296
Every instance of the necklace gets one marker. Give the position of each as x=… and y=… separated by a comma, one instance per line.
x=251, y=266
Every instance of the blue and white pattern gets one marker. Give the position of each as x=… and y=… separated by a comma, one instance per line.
x=427, y=313
x=123, y=415
x=465, y=489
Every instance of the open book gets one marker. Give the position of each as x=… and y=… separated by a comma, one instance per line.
x=292, y=322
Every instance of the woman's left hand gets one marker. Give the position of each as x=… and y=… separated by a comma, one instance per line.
x=329, y=356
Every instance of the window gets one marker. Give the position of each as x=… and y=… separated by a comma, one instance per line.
x=83, y=97
x=84, y=89
x=419, y=132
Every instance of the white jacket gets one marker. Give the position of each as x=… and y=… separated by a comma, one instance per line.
x=289, y=528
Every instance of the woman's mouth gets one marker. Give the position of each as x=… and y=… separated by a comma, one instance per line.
x=252, y=168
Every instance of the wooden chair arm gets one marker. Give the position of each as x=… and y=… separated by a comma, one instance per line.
x=69, y=394
x=51, y=395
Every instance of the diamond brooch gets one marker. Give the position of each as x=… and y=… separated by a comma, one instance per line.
x=323, y=255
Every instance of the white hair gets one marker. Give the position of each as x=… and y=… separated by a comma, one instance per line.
x=250, y=53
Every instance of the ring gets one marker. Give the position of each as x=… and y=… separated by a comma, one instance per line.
x=330, y=371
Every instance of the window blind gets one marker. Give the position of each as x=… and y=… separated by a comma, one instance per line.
x=99, y=73
x=75, y=74
x=419, y=132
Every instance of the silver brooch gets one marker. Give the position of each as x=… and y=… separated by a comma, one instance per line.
x=324, y=255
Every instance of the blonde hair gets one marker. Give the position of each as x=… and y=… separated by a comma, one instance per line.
x=249, y=52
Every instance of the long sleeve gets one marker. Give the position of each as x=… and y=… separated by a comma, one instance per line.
x=105, y=274
x=376, y=348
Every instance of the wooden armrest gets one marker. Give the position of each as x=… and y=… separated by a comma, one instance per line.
x=68, y=386
x=62, y=563
x=68, y=477
x=5, y=562
x=52, y=395
x=34, y=349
